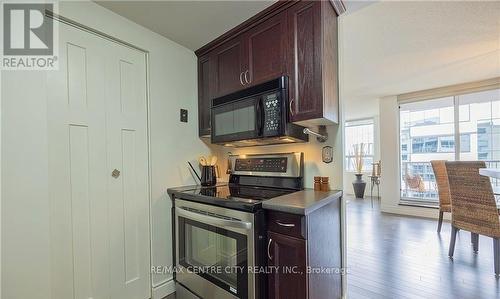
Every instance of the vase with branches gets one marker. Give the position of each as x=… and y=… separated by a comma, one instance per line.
x=359, y=185
x=359, y=156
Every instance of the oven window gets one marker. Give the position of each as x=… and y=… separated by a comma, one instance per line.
x=216, y=254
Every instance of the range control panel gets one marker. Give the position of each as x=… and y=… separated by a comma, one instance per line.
x=261, y=164
x=272, y=110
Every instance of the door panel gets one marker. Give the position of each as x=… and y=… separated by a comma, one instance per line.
x=77, y=76
x=286, y=253
x=80, y=208
x=227, y=67
x=77, y=188
x=126, y=124
x=304, y=21
x=266, y=49
x=85, y=215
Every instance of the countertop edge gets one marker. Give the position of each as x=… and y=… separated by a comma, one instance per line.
x=307, y=209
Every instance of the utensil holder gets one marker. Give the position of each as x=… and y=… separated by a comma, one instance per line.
x=208, y=176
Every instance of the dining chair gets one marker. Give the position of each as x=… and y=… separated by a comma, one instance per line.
x=473, y=206
x=439, y=168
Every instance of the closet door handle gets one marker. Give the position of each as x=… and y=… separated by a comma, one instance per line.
x=291, y=107
x=241, y=78
x=115, y=174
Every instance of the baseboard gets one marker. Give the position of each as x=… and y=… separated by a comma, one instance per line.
x=413, y=211
x=163, y=290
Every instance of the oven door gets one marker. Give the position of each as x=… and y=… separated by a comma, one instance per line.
x=238, y=120
x=214, y=248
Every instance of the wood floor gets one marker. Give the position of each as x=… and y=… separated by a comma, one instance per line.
x=393, y=256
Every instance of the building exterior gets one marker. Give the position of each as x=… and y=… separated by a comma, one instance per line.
x=428, y=131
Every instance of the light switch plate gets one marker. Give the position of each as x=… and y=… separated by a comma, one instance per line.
x=327, y=154
x=184, y=115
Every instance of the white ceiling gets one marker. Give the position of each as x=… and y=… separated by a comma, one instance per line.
x=390, y=48
x=189, y=23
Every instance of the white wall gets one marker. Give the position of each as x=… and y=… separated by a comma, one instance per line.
x=312, y=157
x=395, y=47
x=354, y=110
x=25, y=199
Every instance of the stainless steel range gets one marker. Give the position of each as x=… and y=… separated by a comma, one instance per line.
x=220, y=231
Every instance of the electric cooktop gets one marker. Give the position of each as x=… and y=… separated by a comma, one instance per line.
x=253, y=179
x=240, y=197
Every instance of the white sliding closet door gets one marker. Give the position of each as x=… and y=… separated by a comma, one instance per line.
x=128, y=153
x=97, y=113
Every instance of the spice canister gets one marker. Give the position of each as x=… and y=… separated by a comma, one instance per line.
x=325, y=185
x=317, y=183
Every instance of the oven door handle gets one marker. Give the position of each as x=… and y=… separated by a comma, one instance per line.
x=213, y=220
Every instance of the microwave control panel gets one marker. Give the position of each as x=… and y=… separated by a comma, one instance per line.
x=272, y=110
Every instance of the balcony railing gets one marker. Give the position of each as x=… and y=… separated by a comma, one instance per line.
x=419, y=184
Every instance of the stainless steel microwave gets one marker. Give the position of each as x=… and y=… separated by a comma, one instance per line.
x=257, y=115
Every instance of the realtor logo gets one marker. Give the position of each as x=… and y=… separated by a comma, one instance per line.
x=26, y=30
x=30, y=37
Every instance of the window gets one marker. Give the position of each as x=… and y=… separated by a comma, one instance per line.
x=446, y=144
x=438, y=144
x=424, y=145
x=429, y=131
x=357, y=132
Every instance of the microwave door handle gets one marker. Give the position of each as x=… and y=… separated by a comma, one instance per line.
x=219, y=222
x=260, y=117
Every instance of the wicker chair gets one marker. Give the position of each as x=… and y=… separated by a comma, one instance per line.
x=439, y=168
x=473, y=206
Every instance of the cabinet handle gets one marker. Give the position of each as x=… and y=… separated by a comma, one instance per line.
x=285, y=224
x=246, y=79
x=291, y=107
x=269, y=249
x=241, y=78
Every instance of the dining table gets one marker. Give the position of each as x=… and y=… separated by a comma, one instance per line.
x=492, y=173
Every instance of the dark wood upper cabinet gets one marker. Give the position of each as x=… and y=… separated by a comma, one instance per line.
x=204, y=95
x=287, y=253
x=312, y=63
x=305, y=61
x=293, y=38
x=266, y=46
x=228, y=61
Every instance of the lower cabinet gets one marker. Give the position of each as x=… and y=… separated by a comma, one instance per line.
x=287, y=257
x=304, y=254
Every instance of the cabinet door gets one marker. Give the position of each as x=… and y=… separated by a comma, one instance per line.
x=289, y=255
x=204, y=96
x=304, y=62
x=266, y=50
x=227, y=67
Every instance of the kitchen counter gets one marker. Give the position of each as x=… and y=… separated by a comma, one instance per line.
x=302, y=202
